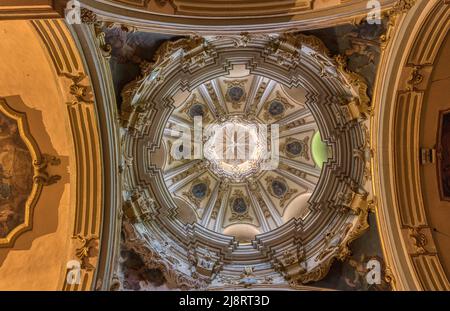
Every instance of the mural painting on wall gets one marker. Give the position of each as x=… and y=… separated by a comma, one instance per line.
x=444, y=155
x=16, y=174
x=130, y=51
x=365, y=269
x=360, y=44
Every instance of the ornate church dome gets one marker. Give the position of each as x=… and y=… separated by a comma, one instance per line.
x=242, y=151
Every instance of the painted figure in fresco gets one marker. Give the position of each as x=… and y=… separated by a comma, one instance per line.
x=279, y=188
x=239, y=206
x=359, y=272
x=123, y=48
x=137, y=276
x=5, y=188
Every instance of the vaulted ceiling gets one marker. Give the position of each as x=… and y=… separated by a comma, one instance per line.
x=321, y=147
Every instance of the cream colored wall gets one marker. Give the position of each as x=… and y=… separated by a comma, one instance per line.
x=38, y=257
x=437, y=99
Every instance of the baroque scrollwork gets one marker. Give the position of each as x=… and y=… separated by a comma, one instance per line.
x=84, y=251
x=41, y=175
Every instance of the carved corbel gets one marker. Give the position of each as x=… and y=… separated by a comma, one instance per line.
x=205, y=263
x=197, y=56
x=313, y=275
x=284, y=50
x=359, y=205
x=355, y=110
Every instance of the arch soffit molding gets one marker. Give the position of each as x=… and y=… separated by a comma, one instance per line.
x=69, y=65
x=146, y=20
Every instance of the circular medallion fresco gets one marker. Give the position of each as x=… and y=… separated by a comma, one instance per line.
x=294, y=148
x=235, y=93
x=279, y=188
x=199, y=190
x=239, y=206
x=196, y=110
x=276, y=108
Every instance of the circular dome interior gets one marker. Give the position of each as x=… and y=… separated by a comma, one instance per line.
x=250, y=140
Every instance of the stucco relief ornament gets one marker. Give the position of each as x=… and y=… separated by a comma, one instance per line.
x=90, y=18
x=415, y=79
x=419, y=240
x=400, y=7
x=357, y=83
x=84, y=251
